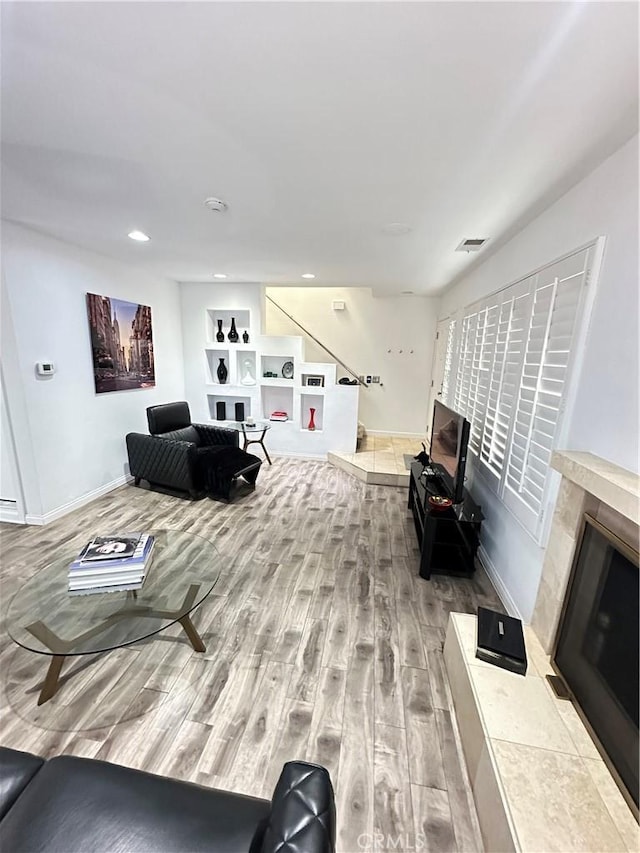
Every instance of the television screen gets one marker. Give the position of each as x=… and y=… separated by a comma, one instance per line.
x=445, y=439
x=449, y=437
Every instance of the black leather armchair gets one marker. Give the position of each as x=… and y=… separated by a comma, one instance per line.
x=192, y=458
x=80, y=805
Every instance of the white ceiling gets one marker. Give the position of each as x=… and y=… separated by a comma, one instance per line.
x=318, y=123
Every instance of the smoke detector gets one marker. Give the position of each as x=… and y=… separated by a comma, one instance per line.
x=472, y=244
x=216, y=204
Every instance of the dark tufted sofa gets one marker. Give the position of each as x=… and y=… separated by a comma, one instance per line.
x=193, y=458
x=79, y=805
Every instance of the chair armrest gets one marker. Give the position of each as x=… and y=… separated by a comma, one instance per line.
x=303, y=812
x=162, y=460
x=212, y=435
x=17, y=769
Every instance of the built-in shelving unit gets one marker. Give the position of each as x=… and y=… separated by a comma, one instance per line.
x=336, y=406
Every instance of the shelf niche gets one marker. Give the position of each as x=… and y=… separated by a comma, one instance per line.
x=242, y=357
x=213, y=360
x=276, y=399
x=308, y=401
x=274, y=364
x=230, y=404
x=242, y=318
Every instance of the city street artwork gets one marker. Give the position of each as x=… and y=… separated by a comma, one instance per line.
x=121, y=343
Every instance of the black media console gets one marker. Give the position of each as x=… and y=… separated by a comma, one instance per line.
x=448, y=539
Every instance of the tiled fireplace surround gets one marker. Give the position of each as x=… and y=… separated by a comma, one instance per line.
x=538, y=779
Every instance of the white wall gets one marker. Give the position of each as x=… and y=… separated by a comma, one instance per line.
x=70, y=440
x=604, y=417
x=391, y=337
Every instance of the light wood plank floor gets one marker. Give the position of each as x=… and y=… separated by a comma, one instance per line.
x=322, y=643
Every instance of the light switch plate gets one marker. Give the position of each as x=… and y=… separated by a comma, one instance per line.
x=375, y=380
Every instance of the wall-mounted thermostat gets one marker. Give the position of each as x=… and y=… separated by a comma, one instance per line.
x=45, y=368
x=338, y=305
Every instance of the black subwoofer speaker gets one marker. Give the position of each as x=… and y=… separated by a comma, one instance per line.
x=221, y=410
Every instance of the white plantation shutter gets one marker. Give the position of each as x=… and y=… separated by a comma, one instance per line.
x=504, y=378
x=448, y=361
x=512, y=366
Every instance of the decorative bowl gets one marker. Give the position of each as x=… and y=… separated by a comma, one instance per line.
x=439, y=502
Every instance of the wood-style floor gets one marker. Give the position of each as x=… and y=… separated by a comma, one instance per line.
x=322, y=644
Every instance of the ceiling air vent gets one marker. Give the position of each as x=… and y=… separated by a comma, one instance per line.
x=472, y=244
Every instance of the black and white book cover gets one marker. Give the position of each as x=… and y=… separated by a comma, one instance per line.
x=113, y=547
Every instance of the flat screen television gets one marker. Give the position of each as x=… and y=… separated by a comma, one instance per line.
x=449, y=440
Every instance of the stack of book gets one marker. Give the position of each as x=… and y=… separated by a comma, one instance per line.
x=279, y=416
x=111, y=563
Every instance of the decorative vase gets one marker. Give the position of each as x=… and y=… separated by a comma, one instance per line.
x=233, y=332
x=245, y=336
x=220, y=333
x=247, y=376
x=312, y=423
x=222, y=372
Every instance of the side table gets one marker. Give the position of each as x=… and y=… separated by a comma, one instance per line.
x=259, y=429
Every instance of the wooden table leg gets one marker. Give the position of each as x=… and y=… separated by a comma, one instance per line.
x=265, y=450
x=51, y=681
x=192, y=634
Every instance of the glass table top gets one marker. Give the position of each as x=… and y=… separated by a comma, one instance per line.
x=257, y=426
x=43, y=617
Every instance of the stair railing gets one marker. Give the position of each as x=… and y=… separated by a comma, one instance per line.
x=320, y=344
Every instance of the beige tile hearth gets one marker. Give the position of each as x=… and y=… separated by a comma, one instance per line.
x=520, y=710
x=553, y=800
x=538, y=780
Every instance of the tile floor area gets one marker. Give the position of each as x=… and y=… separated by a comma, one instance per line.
x=379, y=460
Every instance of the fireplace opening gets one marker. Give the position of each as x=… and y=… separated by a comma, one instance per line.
x=597, y=648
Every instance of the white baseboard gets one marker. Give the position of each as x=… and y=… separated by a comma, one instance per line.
x=503, y=593
x=54, y=514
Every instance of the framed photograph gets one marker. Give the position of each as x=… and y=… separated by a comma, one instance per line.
x=121, y=344
x=314, y=381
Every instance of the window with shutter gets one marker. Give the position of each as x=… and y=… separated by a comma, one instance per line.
x=448, y=361
x=512, y=366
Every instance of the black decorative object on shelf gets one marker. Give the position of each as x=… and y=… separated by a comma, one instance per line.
x=220, y=333
x=233, y=332
x=245, y=336
x=239, y=411
x=222, y=372
x=221, y=410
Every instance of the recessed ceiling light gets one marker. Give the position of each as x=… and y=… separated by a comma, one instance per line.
x=140, y=236
x=397, y=229
x=219, y=275
x=308, y=275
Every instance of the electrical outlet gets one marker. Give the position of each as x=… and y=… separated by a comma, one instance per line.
x=375, y=380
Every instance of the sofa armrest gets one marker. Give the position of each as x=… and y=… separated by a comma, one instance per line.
x=17, y=769
x=211, y=435
x=303, y=812
x=162, y=460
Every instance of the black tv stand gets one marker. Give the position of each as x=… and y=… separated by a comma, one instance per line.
x=449, y=538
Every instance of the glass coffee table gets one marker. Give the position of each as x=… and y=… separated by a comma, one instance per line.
x=44, y=618
x=256, y=427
